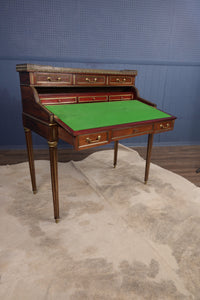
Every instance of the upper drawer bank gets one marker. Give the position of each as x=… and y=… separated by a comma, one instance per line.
x=67, y=79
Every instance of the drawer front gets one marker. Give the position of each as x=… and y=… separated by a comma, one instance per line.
x=90, y=80
x=121, y=80
x=61, y=100
x=93, y=139
x=134, y=131
x=53, y=79
x=92, y=98
x=164, y=126
x=121, y=97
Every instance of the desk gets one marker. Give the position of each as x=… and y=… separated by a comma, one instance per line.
x=86, y=108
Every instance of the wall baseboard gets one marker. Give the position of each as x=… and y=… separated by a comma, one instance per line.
x=111, y=145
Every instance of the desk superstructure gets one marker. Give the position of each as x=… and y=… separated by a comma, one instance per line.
x=86, y=108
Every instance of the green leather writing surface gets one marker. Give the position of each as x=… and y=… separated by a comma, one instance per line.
x=102, y=114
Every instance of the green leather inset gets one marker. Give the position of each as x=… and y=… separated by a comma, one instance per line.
x=93, y=115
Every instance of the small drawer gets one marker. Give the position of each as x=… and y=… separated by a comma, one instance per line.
x=90, y=80
x=89, y=140
x=54, y=79
x=54, y=100
x=92, y=98
x=66, y=100
x=164, y=126
x=121, y=97
x=121, y=80
x=133, y=131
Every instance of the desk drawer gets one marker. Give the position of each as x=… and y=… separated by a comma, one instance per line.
x=54, y=100
x=133, y=131
x=93, y=139
x=53, y=79
x=90, y=79
x=164, y=126
x=121, y=97
x=92, y=98
x=121, y=80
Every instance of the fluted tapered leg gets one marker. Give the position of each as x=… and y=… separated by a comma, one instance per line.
x=115, y=153
x=54, y=177
x=29, y=145
x=148, y=156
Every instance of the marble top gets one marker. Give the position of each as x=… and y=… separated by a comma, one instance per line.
x=43, y=68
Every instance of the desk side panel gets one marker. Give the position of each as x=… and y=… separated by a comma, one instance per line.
x=44, y=129
x=32, y=106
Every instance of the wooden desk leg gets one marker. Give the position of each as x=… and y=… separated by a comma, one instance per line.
x=29, y=145
x=148, y=157
x=54, y=177
x=115, y=153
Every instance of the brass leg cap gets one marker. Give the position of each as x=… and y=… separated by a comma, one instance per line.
x=35, y=192
x=145, y=182
x=57, y=220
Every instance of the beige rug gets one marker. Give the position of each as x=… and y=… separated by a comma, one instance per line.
x=118, y=239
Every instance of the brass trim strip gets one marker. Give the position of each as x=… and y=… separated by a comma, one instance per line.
x=120, y=95
x=88, y=145
x=52, y=144
x=58, y=98
x=26, y=129
x=31, y=78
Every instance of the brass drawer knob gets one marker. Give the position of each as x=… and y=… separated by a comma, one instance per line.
x=164, y=126
x=117, y=79
x=124, y=79
x=88, y=79
x=90, y=141
x=59, y=79
x=49, y=78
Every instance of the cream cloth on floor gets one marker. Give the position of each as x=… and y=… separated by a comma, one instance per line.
x=118, y=239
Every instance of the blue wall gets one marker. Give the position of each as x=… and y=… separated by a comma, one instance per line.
x=160, y=39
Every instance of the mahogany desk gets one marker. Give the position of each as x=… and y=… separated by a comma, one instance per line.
x=86, y=108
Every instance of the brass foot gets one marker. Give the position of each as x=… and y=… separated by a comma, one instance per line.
x=114, y=166
x=145, y=182
x=57, y=220
x=35, y=192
